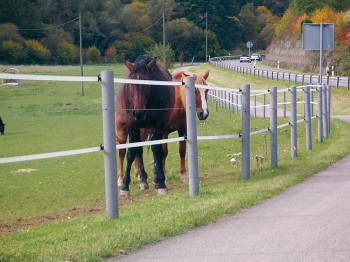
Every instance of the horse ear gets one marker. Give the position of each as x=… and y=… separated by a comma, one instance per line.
x=188, y=73
x=206, y=74
x=151, y=64
x=129, y=65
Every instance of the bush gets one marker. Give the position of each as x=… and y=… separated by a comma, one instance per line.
x=37, y=52
x=12, y=52
x=111, y=55
x=67, y=53
x=94, y=54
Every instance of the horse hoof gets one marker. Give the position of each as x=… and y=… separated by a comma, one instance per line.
x=155, y=185
x=125, y=193
x=144, y=186
x=185, y=180
x=162, y=191
x=120, y=182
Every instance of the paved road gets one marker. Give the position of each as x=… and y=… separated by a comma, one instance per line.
x=308, y=222
x=284, y=74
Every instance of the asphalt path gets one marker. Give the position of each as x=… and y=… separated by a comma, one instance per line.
x=308, y=222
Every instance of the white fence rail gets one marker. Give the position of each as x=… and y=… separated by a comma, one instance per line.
x=237, y=100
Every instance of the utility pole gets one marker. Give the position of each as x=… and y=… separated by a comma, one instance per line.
x=206, y=36
x=164, y=39
x=81, y=55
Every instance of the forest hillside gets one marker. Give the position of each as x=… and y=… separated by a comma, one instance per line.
x=48, y=32
x=286, y=46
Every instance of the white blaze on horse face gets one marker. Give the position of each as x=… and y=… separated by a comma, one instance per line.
x=204, y=103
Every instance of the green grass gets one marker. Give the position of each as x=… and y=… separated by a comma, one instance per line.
x=56, y=212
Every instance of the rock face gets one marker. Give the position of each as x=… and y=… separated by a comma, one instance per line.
x=290, y=54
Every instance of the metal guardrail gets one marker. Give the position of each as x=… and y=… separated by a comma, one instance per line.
x=304, y=79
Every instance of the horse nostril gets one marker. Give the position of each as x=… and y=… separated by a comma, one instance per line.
x=202, y=115
x=139, y=114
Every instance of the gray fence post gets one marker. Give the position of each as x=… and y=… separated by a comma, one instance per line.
x=329, y=96
x=308, y=117
x=293, y=121
x=312, y=102
x=192, y=136
x=264, y=107
x=284, y=104
x=273, y=127
x=254, y=106
x=320, y=122
x=109, y=141
x=325, y=112
x=246, y=132
x=337, y=82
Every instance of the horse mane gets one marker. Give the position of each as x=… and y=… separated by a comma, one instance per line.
x=177, y=75
x=158, y=72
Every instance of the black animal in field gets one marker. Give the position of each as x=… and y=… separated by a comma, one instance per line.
x=2, y=127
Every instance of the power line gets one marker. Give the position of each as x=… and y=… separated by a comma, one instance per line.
x=150, y=26
x=44, y=28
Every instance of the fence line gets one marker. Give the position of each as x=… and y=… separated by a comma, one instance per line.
x=220, y=94
x=337, y=81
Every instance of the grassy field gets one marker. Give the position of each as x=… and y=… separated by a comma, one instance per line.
x=54, y=209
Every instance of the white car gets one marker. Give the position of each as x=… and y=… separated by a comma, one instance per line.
x=244, y=58
x=256, y=57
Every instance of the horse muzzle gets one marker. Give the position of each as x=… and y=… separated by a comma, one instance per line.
x=139, y=115
x=202, y=115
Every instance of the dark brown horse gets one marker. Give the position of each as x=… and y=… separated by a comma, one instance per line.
x=143, y=106
x=177, y=120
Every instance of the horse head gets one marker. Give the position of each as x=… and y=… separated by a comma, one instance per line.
x=139, y=94
x=201, y=94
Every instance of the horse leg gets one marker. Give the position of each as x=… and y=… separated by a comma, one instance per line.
x=158, y=155
x=130, y=157
x=122, y=153
x=137, y=169
x=140, y=169
x=121, y=137
x=182, y=153
x=165, y=150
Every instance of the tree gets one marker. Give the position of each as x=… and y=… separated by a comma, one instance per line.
x=67, y=53
x=157, y=51
x=309, y=6
x=12, y=52
x=54, y=40
x=22, y=13
x=94, y=54
x=37, y=52
x=9, y=31
x=155, y=10
x=189, y=39
x=251, y=24
x=222, y=17
x=111, y=54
